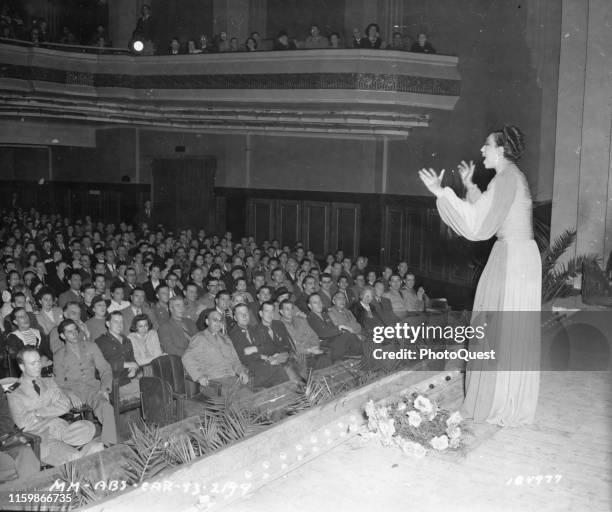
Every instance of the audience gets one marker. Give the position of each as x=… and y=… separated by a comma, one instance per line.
x=282, y=313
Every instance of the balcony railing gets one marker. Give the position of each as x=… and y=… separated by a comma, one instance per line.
x=349, y=92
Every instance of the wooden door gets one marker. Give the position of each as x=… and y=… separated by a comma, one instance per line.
x=183, y=192
x=315, y=231
x=261, y=219
x=345, y=227
x=288, y=222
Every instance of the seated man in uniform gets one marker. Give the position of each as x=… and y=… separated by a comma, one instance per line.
x=17, y=459
x=211, y=357
x=36, y=406
x=255, y=352
x=75, y=366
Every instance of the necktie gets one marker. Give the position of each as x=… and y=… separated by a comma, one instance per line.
x=36, y=387
x=248, y=336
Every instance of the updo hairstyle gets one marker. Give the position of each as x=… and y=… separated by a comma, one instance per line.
x=512, y=140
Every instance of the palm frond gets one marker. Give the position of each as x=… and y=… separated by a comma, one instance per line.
x=316, y=391
x=85, y=492
x=556, y=249
x=149, y=456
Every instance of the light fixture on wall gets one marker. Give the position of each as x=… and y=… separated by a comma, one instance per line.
x=137, y=46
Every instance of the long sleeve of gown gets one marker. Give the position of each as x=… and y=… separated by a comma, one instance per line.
x=481, y=219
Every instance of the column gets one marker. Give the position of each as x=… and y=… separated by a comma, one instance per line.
x=581, y=190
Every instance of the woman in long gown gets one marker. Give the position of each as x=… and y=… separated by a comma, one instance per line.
x=508, y=296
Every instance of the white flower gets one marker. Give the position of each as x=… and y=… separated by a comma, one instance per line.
x=401, y=406
x=423, y=404
x=412, y=448
x=455, y=442
x=414, y=419
x=454, y=433
x=454, y=419
x=439, y=443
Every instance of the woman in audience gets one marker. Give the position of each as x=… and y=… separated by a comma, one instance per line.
x=49, y=315
x=144, y=339
x=372, y=38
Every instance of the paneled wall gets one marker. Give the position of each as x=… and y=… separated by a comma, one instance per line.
x=321, y=226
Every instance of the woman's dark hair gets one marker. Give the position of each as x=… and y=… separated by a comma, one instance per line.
x=246, y=43
x=512, y=140
x=138, y=318
x=367, y=30
x=42, y=292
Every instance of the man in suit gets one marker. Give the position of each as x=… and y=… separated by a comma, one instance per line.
x=256, y=352
x=36, y=406
x=17, y=459
x=344, y=287
x=339, y=341
x=175, y=334
x=74, y=293
x=264, y=294
x=137, y=306
x=75, y=366
x=328, y=288
x=129, y=282
x=153, y=282
x=382, y=305
x=85, y=268
x=118, y=351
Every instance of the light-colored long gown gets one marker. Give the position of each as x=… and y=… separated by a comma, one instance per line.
x=508, y=299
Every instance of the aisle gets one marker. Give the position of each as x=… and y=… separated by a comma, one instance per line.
x=571, y=439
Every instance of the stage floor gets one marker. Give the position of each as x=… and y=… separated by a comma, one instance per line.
x=571, y=443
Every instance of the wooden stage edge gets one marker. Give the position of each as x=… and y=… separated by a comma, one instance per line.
x=225, y=476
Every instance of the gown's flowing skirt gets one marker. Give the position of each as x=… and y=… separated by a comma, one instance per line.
x=508, y=301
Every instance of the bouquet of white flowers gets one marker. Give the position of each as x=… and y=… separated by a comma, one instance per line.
x=415, y=424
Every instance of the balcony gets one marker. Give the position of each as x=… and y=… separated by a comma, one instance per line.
x=344, y=93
